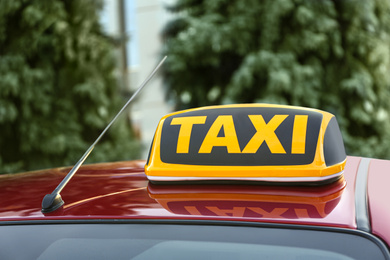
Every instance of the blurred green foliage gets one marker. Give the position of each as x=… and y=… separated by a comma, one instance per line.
x=329, y=54
x=57, y=86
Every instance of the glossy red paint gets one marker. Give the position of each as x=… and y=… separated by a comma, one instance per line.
x=378, y=198
x=119, y=191
x=22, y=193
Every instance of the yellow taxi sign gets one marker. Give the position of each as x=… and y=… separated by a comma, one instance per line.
x=251, y=142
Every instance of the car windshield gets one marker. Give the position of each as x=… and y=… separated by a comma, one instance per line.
x=168, y=241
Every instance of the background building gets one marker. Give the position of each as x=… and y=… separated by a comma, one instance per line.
x=142, y=22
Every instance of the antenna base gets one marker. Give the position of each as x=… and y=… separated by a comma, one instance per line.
x=51, y=202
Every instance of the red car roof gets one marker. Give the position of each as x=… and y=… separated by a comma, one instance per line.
x=378, y=193
x=121, y=191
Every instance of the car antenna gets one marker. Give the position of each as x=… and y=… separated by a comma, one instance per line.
x=53, y=201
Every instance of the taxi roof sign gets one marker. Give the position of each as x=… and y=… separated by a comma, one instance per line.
x=248, y=142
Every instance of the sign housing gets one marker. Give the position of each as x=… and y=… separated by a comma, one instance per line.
x=247, y=142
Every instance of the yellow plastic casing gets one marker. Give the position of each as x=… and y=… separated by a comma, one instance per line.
x=317, y=170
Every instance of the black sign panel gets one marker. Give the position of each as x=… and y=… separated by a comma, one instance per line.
x=274, y=126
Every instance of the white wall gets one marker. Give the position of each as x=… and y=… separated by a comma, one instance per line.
x=150, y=106
x=144, y=22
